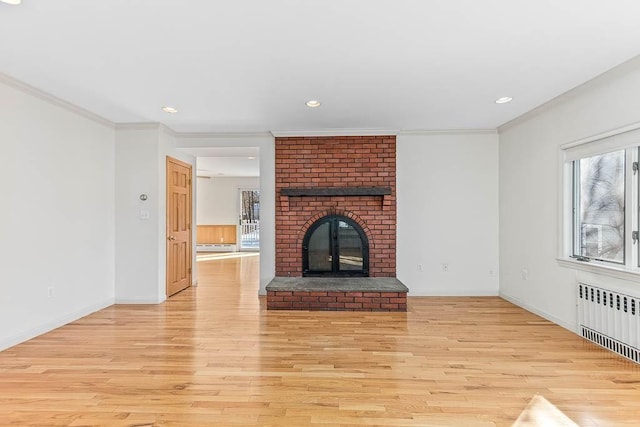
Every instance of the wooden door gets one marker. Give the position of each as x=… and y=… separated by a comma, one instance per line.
x=178, y=226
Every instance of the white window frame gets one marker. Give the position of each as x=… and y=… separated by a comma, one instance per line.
x=627, y=138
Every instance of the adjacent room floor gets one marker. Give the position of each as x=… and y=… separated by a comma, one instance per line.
x=213, y=356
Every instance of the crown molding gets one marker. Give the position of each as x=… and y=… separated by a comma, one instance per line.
x=600, y=79
x=54, y=100
x=333, y=132
x=383, y=132
x=138, y=126
x=147, y=126
x=449, y=132
x=166, y=129
x=223, y=135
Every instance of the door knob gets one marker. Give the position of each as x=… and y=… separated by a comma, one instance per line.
x=171, y=238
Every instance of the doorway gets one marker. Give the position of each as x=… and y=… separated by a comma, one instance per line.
x=249, y=220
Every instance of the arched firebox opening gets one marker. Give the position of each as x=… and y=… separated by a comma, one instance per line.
x=335, y=246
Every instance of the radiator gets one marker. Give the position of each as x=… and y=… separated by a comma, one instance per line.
x=610, y=319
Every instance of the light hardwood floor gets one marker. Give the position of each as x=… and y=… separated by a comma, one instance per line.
x=213, y=356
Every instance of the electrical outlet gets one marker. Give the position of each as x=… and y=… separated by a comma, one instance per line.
x=525, y=274
x=445, y=267
x=50, y=291
x=419, y=267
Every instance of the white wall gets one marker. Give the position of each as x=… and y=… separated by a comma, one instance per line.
x=530, y=183
x=266, y=143
x=57, y=216
x=137, y=240
x=141, y=152
x=447, y=191
x=219, y=199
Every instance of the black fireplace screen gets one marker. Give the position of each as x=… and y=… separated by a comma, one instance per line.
x=335, y=246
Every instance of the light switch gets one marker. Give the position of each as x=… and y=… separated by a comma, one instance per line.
x=144, y=214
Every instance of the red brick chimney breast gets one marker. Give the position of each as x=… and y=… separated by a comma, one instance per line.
x=334, y=163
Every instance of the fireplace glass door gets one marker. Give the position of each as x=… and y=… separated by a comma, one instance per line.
x=335, y=246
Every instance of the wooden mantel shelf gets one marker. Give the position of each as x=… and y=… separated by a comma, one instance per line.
x=336, y=191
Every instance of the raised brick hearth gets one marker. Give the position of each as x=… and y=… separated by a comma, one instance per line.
x=337, y=301
x=337, y=294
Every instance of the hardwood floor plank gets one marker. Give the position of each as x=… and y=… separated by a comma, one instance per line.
x=212, y=355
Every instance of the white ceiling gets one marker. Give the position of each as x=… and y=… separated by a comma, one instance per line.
x=245, y=66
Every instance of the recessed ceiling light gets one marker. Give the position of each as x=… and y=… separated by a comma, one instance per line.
x=13, y=2
x=251, y=158
x=504, y=100
x=170, y=110
x=313, y=103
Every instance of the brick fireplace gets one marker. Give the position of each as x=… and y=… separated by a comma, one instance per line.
x=348, y=179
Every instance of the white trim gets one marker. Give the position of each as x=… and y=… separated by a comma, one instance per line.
x=464, y=292
x=602, y=135
x=623, y=138
x=334, y=132
x=449, y=132
x=565, y=207
x=597, y=268
x=223, y=135
x=54, y=100
x=614, y=140
x=538, y=312
x=166, y=129
x=125, y=301
x=147, y=126
x=138, y=126
x=53, y=324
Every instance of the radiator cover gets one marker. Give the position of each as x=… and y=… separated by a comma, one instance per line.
x=610, y=319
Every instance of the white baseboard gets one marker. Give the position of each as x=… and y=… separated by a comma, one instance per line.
x=53, y=324
x=454, y=293
x=139, y=300
x=534, y=310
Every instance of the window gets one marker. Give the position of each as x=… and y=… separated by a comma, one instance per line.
x=598, y=206
x=601, y=207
